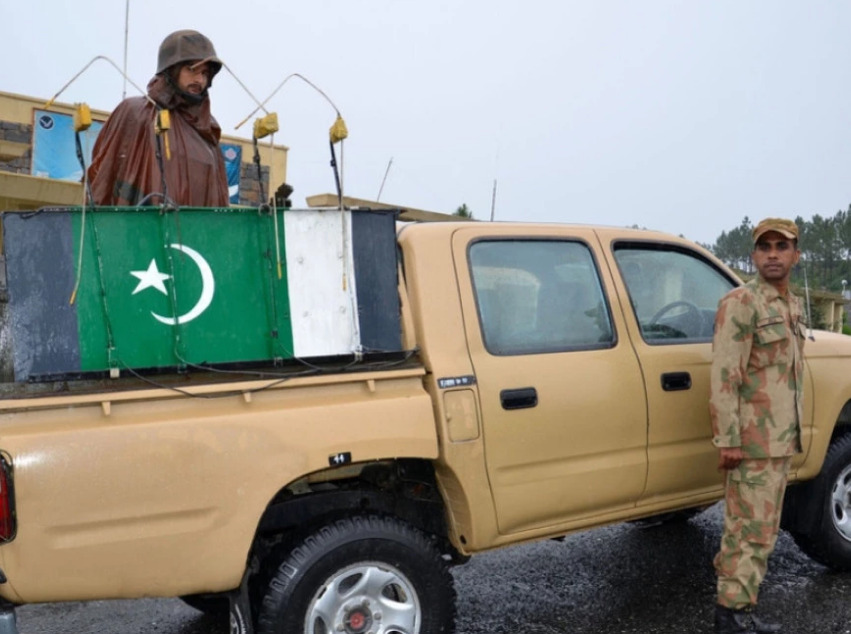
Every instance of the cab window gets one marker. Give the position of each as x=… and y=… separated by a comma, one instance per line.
x=673, y=291
x=538, y=296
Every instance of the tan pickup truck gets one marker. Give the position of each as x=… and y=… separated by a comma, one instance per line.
x=557, y=381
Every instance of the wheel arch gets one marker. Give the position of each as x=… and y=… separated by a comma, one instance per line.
x=800, y=505
x=843, y=421
x=404, y=487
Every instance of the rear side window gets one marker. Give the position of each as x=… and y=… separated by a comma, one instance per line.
x=674, y=292
x=537, y=296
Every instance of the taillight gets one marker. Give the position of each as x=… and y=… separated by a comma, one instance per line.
x=8, y=522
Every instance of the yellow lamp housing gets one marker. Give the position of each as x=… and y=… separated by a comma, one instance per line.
x=82, y=117
x=338, y=130
x=264, y=126
x=163, y=122
x=161, y=127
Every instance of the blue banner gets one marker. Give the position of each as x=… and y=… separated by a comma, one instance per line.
x=233, y=163
x=54, y=149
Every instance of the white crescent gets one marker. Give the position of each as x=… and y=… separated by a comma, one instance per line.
x=208, y=287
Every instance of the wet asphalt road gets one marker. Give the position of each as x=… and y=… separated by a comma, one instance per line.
x=618, y=580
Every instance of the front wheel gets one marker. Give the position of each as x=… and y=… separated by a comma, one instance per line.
x=827, y=539
x=358, y=575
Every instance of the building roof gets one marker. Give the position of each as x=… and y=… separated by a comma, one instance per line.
x=408, y=213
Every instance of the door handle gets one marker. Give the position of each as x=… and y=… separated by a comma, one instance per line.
x=676, y=381
x=519, y=398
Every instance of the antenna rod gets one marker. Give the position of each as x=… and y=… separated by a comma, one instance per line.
x=126, y=32
x=493, y=200
x=383, y=180
x=809, y=311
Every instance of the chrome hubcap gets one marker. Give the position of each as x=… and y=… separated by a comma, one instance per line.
x=841, y=503
x=367, y=598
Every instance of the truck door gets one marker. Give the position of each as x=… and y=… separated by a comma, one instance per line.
x=562, y=399
x=674, y=293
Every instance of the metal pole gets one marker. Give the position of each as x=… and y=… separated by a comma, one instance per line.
x=336, y=175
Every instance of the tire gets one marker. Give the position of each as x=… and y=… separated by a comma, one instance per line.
x=357, y=575
x=827, y=538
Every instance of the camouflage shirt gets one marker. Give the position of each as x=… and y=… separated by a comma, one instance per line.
x=757, y=371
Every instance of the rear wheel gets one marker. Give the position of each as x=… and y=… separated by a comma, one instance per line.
x=827, y=538
x=358, y=575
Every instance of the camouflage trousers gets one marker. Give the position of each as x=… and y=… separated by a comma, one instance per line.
x=753, y=500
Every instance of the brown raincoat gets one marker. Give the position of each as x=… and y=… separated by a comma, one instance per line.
x=124, y=167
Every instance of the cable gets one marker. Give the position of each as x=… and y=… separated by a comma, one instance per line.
x=173, y=388
x=259, y=172
x=161, y=136
x=167, y=203
x=261, y=106
x=278, y=378
x=110, y=339
x=87, y=195
x=274, y=206
x=94, y=59
x=250, y=94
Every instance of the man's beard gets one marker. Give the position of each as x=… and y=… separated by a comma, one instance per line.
x=190, y=98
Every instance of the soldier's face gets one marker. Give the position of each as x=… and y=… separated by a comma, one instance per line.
x=774, y=255
x=194, y=78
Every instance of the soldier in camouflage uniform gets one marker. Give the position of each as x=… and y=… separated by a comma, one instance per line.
x=756, y=409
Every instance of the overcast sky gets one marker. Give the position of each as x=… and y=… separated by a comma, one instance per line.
x=679, y=115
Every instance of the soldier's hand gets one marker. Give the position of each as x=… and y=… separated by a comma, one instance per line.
x=730, y=458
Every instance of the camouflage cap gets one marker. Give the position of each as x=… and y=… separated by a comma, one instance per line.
x=786, y=228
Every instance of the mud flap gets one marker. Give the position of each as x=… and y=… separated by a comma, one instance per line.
x=240, y=611
x=8, y=622
x=802, y=509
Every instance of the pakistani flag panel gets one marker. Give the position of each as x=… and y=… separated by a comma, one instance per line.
x=191, y=287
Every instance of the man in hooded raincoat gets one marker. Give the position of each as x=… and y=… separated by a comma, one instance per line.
x=132, y=164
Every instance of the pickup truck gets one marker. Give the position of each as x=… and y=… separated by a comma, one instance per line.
x=555, y=380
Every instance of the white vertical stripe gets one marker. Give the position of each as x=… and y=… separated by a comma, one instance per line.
x=319, y=258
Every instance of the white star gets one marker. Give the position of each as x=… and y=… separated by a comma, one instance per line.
x=151, y=277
